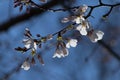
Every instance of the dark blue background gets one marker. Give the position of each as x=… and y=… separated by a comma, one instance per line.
x=100, y=66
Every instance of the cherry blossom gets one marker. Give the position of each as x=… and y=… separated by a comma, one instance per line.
x=61, y=50
x=78, y=19
x=82, y=28
x=72, y=43
x=95, y=35
x=25, y=65
x=30, y=44
x=81, y=10
x=78, y=22
x=59, y=53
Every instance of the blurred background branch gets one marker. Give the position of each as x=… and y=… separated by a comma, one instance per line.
x=33, y=12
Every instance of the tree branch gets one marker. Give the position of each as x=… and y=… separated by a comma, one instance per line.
x=114, y=54
x=33, y=12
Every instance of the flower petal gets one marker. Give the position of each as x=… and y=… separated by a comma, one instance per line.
x=68, y=45
x=73, y=42
x=78, y=20
x=96, y=35
x=83, y=31
x=59, y=53
x=35, y=45
x=84, y=8
x=27, y=43
x=25, y=65
x=79, y=27
x=100, y=35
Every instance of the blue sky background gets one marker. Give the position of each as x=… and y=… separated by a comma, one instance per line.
x=100, y=66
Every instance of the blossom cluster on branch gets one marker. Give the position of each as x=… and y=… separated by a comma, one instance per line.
x=27, y=3
x=77, y=22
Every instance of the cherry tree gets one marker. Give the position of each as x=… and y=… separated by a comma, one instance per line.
x=77, y=23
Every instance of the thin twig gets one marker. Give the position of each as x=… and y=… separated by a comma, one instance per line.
x=33, y=12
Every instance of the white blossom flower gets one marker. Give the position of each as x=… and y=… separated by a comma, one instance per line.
x=25, y=65
x=72, y=43
x=84, y=8
x=96, y=35
x=76, y=19
x=59, y=53
x=79, y=19
x=81, y=10
x=61, y=50
x=82, y=28
x=29, y=43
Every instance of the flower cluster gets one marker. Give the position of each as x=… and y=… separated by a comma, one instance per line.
x=62, y=48
x=79, y=23
x=26, y=3
x=95, y=35
x=30, y=44
x=82, y=24
x=31, y=61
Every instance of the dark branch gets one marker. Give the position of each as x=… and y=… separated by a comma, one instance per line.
x=33, y=12
x=114, y=54
x=107, y=14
